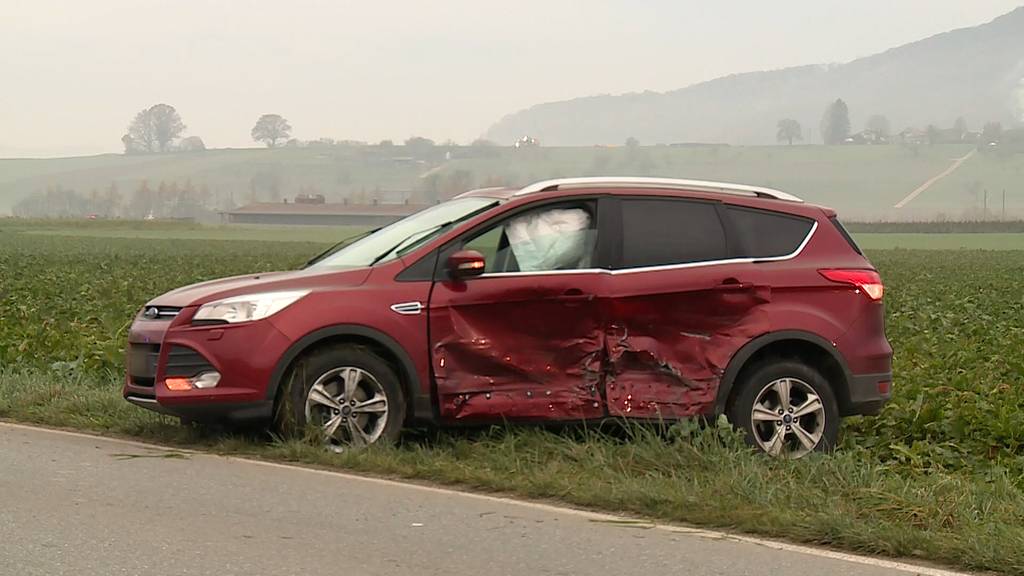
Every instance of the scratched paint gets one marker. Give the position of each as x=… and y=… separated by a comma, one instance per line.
x=666, y=354
x=537, y=358
x=528, y=355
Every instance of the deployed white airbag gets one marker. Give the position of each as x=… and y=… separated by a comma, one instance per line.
x=553, y=239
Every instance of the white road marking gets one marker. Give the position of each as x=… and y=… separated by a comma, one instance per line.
x=594, y=516
x=952, y=168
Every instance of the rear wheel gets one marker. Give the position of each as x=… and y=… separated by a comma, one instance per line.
x=787, y=410
x=347, y=394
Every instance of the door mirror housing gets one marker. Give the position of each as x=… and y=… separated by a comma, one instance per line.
x=466, y=264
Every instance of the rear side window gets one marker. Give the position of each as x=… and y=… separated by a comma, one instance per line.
x=764, y=234
x=658, y=232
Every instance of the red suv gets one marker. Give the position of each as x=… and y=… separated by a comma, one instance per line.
x=572, y=299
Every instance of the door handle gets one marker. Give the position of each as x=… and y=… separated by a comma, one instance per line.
x=732, y=284
x=576, y=295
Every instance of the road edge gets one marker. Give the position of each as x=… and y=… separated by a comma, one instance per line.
x=632, y=521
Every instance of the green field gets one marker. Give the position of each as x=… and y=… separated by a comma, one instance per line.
x=1007, y=241
x=861, y=182
x=329, y=235
x=939, y=474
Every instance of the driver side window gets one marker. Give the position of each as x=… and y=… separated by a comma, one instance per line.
x=552, y=237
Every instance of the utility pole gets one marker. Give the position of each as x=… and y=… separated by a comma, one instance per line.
x=1004, y=205
x=984, y=205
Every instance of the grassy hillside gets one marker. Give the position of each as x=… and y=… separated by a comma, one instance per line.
x=231, y=175
x=862, y=182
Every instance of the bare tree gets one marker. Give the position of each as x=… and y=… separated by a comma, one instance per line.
x=788, y=131
x=270, y=128
x=154, y=129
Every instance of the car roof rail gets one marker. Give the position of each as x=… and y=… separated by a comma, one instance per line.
x=671, y=183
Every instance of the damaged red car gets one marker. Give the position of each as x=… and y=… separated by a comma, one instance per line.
x=572, y=299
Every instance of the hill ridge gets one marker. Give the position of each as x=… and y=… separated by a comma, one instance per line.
x=978, y=71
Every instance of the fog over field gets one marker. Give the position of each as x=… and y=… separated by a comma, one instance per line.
x=887, y=111
x=75, y=73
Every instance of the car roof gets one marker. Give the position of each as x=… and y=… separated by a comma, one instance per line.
x=741, y=194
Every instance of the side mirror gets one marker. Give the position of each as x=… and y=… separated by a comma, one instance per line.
x=466, y=264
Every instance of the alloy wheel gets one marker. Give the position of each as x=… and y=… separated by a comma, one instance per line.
x=788, y=418
x=349, y=406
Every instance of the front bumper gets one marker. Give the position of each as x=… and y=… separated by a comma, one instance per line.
x=245, y=355
x=213, y=412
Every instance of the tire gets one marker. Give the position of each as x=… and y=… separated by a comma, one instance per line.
x=803, y=427
x=342, y=420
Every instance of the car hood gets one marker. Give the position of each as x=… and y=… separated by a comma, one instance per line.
x=309, y=279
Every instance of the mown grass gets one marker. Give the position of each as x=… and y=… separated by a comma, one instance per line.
x=684, y=474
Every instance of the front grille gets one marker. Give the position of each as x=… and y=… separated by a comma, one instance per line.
x=184, y=361
x=142, y=359
x=159, y=312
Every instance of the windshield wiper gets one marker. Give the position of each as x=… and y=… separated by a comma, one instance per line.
x=418, y=235
x=338, y=246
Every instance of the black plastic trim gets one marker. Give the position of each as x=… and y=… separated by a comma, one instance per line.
x=740, y=358
x=183, y=361
x=864, y=396
x=422, y=404
x=845, y=234
x=236, y=413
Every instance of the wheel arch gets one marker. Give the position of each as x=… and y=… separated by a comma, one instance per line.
x=418, y=406
x=805, y=346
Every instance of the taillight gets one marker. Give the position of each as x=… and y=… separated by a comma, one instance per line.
x=867, y=281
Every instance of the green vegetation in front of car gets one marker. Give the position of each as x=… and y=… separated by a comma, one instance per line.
x=939, y=474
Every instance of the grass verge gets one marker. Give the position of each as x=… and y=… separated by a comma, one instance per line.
x=705, y=477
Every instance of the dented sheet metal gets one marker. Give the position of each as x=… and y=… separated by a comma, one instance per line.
x=526, y=352
x=666, y=354
x=528, y=356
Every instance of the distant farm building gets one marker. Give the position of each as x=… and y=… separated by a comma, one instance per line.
x=320, y=214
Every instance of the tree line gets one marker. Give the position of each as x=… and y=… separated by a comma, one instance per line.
x=160, y=128
x=836, y=129
x=165, y=200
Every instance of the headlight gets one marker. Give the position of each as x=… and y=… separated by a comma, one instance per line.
x=248, y=307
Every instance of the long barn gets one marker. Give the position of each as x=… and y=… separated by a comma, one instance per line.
x=371, y=215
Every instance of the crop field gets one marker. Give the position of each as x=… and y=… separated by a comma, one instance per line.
x=940, y=473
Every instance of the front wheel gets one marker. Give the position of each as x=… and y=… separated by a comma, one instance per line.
x=787, y=410
x=347, y=394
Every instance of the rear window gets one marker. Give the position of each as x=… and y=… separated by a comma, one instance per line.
x=846, y=235
x=765, y=234
x=659, y=232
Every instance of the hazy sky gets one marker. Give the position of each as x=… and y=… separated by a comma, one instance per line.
x=73, y=73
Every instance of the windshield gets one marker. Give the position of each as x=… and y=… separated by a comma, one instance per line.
x=402, y=236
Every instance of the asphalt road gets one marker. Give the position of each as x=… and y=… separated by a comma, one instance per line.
x=72, y=504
